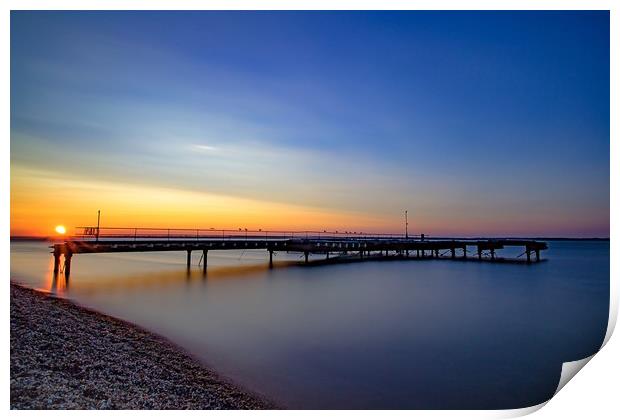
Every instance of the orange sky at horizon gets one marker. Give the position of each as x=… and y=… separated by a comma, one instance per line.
x=42, y=200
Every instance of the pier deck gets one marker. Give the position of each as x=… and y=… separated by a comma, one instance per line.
x=361, y=245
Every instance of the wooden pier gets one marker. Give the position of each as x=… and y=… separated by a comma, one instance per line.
x=341, y=245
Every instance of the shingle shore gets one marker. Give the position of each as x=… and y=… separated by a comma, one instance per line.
x=67, y=357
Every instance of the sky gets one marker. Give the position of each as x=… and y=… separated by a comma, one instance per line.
x=477, y=123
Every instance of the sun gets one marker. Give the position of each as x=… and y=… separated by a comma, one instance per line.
x=61, y=229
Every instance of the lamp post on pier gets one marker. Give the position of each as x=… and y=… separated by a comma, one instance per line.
x=98, y=220
x=406, y=226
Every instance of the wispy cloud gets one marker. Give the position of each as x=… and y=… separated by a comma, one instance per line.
x=204, y=148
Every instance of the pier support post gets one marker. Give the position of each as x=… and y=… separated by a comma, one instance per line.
x=327, y=255
x=306, y=256
x=452, y=253
x=492, y=253
x=479, y=252
x=417, y=253
x=361, y=255
x=464, y=252
x=68, y=256
x=437, y=253
x=56, y=262
x=527, y=253
x=204, y=260
x=270, y=258
x=537, y=255
x=189, y=258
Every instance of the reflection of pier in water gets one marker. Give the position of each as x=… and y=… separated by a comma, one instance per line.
x=335, y=246
x=162, y=278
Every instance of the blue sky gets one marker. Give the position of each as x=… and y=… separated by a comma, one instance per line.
x=477, y=122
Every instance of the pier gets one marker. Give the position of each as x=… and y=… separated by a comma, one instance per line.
x=333, y=246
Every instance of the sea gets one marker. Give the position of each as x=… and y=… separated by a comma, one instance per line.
x=393, y=334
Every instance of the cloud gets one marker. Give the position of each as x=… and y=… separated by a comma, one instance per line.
x=204, y=147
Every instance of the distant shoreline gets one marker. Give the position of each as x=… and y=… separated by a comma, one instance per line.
x=533, y=238
x=64, y=356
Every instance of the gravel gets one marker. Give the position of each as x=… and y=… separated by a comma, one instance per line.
x=67, y=357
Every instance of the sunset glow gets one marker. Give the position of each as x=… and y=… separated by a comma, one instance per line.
x=115, y=115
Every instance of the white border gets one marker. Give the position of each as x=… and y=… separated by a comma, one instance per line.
x=594, y=394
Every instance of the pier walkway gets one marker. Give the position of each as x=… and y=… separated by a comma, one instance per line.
x=330, y=244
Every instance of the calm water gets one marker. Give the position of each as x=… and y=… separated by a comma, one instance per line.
x=398, y=334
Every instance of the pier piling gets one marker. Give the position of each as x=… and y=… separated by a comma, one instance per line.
x=67, y=269
x=56, y=261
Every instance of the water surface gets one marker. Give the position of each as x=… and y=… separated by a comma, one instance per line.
x=378, y=334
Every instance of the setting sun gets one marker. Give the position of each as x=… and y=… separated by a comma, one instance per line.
x=61, y=229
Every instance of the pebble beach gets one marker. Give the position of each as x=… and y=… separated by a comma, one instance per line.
x=67, y=357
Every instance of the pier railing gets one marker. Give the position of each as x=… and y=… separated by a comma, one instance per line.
x=141, y=233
